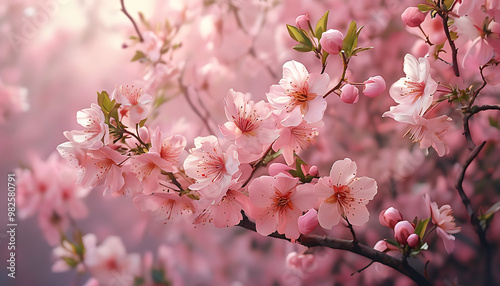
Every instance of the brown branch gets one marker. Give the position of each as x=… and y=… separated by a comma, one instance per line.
x=141, y=39
x=312, y=240
x=454, y=50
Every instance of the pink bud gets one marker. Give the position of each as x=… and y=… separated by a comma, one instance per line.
x=331, y=41
x=384, y=246
x=302, y=22
x=292, y=260
x=412, y=17
x=390, y=217
x=374, y=86
x=492, y=74
x=413, y=240
x=308, y=222
x=350, y=94
x=402, y=231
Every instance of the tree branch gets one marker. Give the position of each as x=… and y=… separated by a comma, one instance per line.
x=141, y=39
x=312, y=240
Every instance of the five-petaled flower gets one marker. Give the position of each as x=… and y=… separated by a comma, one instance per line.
x=344, y=195
x=299, y=95
x=279, y=203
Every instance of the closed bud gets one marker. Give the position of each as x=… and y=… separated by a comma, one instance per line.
x=390, y=217
x=308, y=222
x=413, y=240
x=302, y=22
x=402, y=230
x=374, y=86
x=412, y=17
x=350, y=94
x=331, y=41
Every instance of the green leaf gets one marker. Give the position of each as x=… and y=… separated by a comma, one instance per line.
x=158, y=275
x=321, y=26
x=421, y=227
x=425, y=8
x=433, y=14
x=448, y=3
x=70, y=261
x=271, y=156
x=391, y=241
x=298, y=35
x=302, y=48
x=351, y=39
x=138, y=56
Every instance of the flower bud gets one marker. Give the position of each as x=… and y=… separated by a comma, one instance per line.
x=331, y=41
x=308, y=222
x=350, y=94
x=302, y=22
x=413, y=240
x=390, y=217
x=412, y=17
x=402, y=231
x=374, y=86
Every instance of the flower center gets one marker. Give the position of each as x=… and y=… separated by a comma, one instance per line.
x=342, y=196
x=414, y=89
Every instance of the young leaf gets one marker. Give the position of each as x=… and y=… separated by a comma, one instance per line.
x=302, y=48
x=424, y=8
x=138, y=56
x=421, y=227
x=298, y=35
x=321, y=26
x=351, y=39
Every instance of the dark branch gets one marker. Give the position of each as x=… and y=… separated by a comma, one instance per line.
x=312, y=240
x=141, y=39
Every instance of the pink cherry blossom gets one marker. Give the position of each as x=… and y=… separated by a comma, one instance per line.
x=299, y=95
x=295, y=138
x=250, y=124
x=412, y=17
x=96, y=130
x=415, y=90
x=302, y=22
x=402, y=230
x=331, y=41
x=308, y=221
x=374, y=86
x=413, y=240
x=109, y=262
x=390, y=217
x=169, y=150
x=280, y=200
x=429, y=132
x=344, y=195
x=101, y=166
x=350, y=94
x=165, y=205
x=443, y=218
x=210, y=166
x=133, y=100
x=227, y=211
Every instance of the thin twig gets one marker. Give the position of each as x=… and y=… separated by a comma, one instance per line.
x=454, y=51
x=141, y=39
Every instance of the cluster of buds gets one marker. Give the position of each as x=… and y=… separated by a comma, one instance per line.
x=324, y=42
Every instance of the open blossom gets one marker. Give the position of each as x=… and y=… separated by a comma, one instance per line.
x=299, y=95
x=295, y=138
x=101, y=166
x=227, y=211
x=210, y=166
x=443, y=218
x=133, y=101
x=110, y=263
x=413, y=92
x=344, y=195
x=95, y=129
x=250, y=124
x=165, y=205
x=279, y=203
x=429, y=132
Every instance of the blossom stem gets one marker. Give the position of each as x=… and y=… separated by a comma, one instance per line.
x=193, y=107
x=312, y=240
x=345, y=61
x=141, y=39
